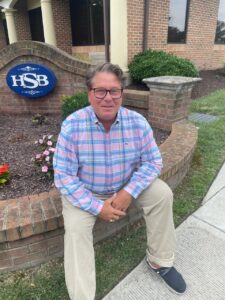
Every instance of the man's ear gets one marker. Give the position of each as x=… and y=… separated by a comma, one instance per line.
x=89, y=94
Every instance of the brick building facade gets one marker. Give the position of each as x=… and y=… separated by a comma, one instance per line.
x=128, y=31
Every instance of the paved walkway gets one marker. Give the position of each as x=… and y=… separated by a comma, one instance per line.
x=200, y=256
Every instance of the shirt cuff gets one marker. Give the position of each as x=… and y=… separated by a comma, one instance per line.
x=133, y=189
x=96, y=206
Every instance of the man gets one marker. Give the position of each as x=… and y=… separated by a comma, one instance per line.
x=105, y=157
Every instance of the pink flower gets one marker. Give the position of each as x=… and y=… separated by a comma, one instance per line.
x=46, y=152
x=51, y=149
x=38, y=156
x=49, y=143
x=41, y=141
x=47, y=158
x=44, y=169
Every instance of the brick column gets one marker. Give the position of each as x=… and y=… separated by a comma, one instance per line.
x=22, y=21
x=9, y=15
x=61, y=14
x=169, y=98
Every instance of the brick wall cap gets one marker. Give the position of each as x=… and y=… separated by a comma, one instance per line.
x=46, y=51
x=135, y=92
x=170, y=82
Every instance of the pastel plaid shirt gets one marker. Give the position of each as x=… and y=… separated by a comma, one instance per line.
x=90, y=159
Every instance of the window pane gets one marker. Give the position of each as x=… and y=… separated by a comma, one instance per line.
x=220, y=28
x=177, y=21
x=87, y=22
x=97, y=22
x=6, y=31
x=36, y=26
x=79, y=13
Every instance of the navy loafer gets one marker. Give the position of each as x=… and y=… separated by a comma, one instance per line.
x=172, y=278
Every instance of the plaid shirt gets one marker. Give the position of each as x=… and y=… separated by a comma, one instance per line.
x=90, y=159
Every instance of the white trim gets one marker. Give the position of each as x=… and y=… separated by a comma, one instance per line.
x=8, y=3
x=32, y=4
x=118, y=33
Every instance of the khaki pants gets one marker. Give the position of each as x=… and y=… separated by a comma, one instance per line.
x=79, y=260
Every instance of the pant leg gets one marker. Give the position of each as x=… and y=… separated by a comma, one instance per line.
x=79, y=259
x=156, y=202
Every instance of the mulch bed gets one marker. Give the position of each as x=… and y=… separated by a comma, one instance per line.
x=17, y=147
x=212, y=80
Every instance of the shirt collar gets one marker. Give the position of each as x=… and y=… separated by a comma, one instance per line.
x=96, y=121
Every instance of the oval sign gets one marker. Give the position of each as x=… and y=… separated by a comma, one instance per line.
x=31, y=80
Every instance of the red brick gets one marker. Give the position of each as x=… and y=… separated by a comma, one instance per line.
x=6, y=264
x=39, y=246
x=38, y=256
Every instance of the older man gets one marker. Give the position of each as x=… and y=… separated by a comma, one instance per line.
x=106, y=156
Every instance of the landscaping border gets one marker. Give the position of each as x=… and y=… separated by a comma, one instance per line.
x=31, y=227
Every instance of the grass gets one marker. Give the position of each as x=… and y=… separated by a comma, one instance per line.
x=116, y=256
x=212, y=104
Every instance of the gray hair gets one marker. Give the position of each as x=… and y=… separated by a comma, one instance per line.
x=105, y=67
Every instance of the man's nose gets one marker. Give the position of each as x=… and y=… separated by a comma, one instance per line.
x=108, y=96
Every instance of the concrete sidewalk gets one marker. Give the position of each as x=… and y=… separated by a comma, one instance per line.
x=200, y=256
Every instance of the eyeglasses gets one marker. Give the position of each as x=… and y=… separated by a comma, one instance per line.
x=100, y=93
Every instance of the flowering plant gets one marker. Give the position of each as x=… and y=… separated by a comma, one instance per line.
x=44, y=158
x=4, y=174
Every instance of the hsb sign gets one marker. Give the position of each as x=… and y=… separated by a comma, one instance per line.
x=31, y=80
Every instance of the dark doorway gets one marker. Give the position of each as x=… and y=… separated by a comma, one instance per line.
x=36, y=26
x=87, y=22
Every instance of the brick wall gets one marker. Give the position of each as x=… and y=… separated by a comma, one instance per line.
x=70, y=74
x=61, y=15
x=158, y=24
x=22, y=21
x=135, y=19
x=199, y=46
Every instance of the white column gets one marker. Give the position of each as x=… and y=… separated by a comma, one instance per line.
x=11, y=27
x=118, y=33
x=48, y=22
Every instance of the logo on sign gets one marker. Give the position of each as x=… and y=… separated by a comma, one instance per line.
x=31, y=80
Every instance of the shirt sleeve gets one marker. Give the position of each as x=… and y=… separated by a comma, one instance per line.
x=65, y=165
x=150, y=164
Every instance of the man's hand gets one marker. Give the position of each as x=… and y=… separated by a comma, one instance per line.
x=108, y=212
x=122, y=200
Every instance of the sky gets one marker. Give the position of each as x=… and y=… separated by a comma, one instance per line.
x=178, y=14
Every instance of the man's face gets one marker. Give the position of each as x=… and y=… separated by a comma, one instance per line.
x=106, y=109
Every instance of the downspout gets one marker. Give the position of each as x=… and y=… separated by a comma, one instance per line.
x=146, y=23
x=106, y=28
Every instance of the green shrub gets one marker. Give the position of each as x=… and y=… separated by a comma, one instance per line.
x=39, y=119
x=152, y=63
x=73, y=103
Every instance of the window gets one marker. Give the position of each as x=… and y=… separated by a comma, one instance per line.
x=87, y=22
x=220, y=28
x=36, y=26
x=5, y=31
x=177, y=28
